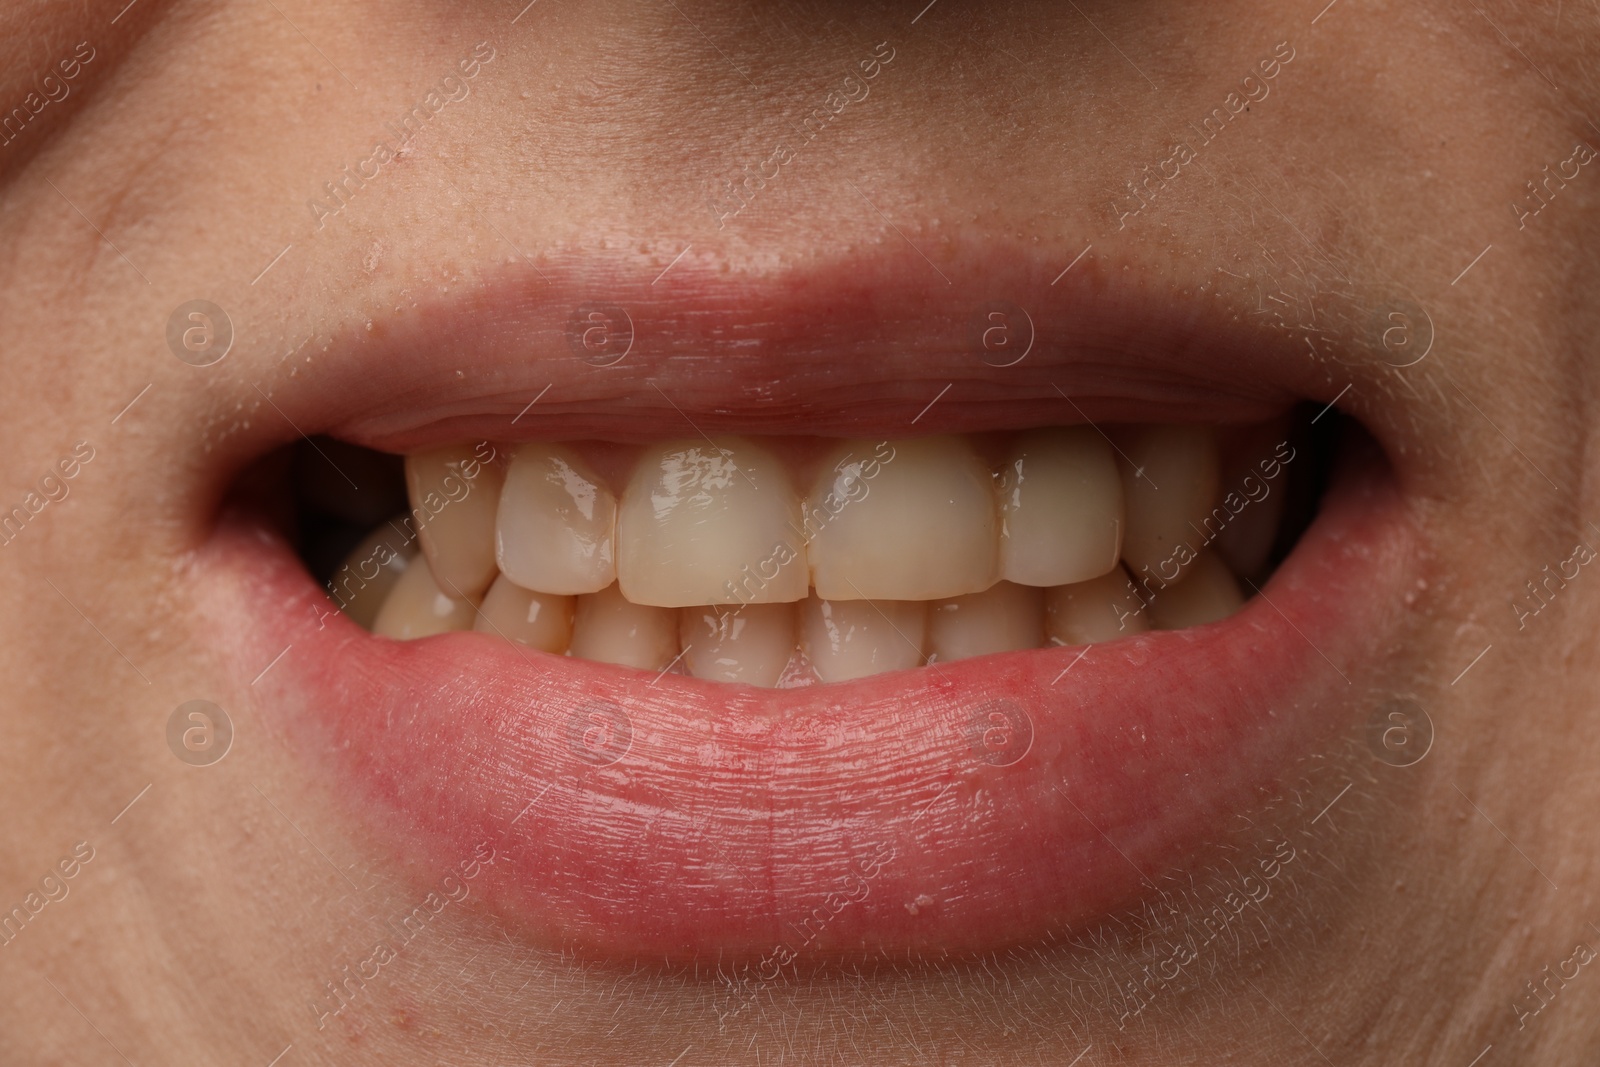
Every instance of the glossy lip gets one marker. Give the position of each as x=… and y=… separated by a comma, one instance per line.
x=951, y=809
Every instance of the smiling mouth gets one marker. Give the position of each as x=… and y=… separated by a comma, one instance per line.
x=757, y=660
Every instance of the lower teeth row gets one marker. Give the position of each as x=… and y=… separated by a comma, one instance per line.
x=710, y=564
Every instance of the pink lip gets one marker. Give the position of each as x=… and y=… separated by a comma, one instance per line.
x=955, y=808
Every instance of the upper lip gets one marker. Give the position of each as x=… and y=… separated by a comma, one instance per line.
x=859, y=345
x=731, y=813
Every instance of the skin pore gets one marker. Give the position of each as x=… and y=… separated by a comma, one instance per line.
x=1356, y=178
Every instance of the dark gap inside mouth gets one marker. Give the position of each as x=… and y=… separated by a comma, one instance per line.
x=337, y=497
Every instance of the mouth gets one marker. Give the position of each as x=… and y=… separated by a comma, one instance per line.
x=806, y=618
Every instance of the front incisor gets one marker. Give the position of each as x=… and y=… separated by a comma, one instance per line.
x=710, y=523
x=915, y=520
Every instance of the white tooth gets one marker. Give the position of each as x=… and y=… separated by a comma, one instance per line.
x=539, y=620
x=1060, y=508
x=1206, y=593
x=363, y=581
x=1169, y=483
x=710, y=523
x=416, y=607
x=848, y=639
x=555, y=528
x=750, y=644
x=1087, y=613
x=1003, y=618
x=915, y=520
x=454, y=494
x=610, y=629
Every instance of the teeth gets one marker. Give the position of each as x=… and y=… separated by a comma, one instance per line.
x=847, y=639
x=1206, y=593
x=750, y=644
x=1101, y=609
x=912, y=521
x=710, y=525
x=611, y=629
x=1060, y=508
x=539, y=620
x=1246, y=519
x=454, y=494
x=363, y=581
x=554, y=527
x=416, y=607
x=1003, y=618
x=1168, y=490
x=902, y=553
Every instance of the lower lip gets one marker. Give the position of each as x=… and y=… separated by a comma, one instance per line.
x=955, y=808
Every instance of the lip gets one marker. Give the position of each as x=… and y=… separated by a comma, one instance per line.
x=889, y=815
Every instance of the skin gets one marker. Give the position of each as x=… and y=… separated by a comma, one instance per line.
x=1385, y=159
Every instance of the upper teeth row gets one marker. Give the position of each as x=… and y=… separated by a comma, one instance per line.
x=722, y=522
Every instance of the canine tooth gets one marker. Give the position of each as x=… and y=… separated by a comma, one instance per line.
x=1087, y=613
x=1207, y=592
x=608, y=628
x=710, y=523
x=364, y=580
x=454, y=493
x=751, y=643
x=1168, y=490
x=912, y=520
x=1002, y=618
x=555, y=527
x=417, y=607
x=848, y=639
x=1060, y=508
x=539, y=620
x=1249, y=512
